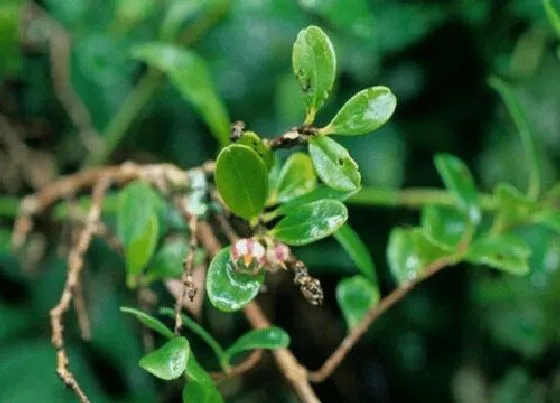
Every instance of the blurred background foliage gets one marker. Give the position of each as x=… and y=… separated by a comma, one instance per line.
x=468, y=335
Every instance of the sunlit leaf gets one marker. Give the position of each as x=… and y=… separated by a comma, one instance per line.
x=297, y=177
x=169, y=361
x=357, y=251
x=190, y=76
x=365, y=112
x=262, y=339
x=458, y=179
x=503, y=252
x=242, y=179
x=314, y=65
x=334, y=165
x=409, y=253
x=553, y=15
x=149, y=321
x=137, y=224
x=310, y=222
x=228, y=289
x=355, y=296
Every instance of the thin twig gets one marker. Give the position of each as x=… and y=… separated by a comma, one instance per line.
x=81, y=312
x=75, y=265
x=395, y=296
x=250, y=362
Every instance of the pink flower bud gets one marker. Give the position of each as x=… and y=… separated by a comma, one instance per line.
x=248, y=256
x=276, y=256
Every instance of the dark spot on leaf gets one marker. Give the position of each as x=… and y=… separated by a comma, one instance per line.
x=340, y=161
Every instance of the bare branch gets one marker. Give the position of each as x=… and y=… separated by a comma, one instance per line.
x=250, y=362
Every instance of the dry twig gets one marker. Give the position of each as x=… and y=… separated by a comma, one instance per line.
x=75, y=265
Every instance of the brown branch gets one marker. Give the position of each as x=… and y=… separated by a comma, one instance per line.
x=75, y=265
x=250, y=362
x=81, y=312
x=376, y=311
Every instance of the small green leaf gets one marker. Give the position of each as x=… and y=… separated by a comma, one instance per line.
x=458, y=179
x=522, y=124
x=131, y=12
x=242, y=179
x=357, y=251
x=409, y=252
x=11, y=20
x=252, y=140
x=321, y=192
x=199, y=388
x=513, y=206
x=365, y=112
x=137, y=225
x=356, y=296
x=296, y=178
x=314, y=64
x=169, y=361
x=168, y=260
x=228, y=289
x=310, y=222
x=553, y=15
x=176, y=13
x=503, y=252
x=445, y=226
x=334, y=165
x=270, y=338
x=149, y=321
x=549, y=219
x=190, y=76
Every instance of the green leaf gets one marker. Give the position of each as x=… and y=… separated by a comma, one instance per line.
x=458, y=179
x=11, y=17
x=518, y=115
x=409, y=252
x=553, y=15
x=365, y=112
x=445, y=226
x=315, y=66
x=168, y=260
x=310, y=222
x=513, y=206
x=228, y=289
x=137, y=225
x=169, y=361
x=199, y=387
x=503, y=252
x=358, y=252
x=270, y=338
x=334, y=165
x=252, y=140
x=190, y=76
x=321, y=192
x=132, y=12
x=177, y=11
x=149, y=321
x=296, y=178
x=242, y=179
x=356, y=296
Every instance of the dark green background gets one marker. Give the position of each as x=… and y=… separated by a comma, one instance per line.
x=468, y=335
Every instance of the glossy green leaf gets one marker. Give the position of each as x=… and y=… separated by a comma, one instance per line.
x=310, y=222
x=553, y=15
x=137, y=225
x=149, y=321
x=252, y=140
x=168, y=260
x=522, y=124
x=365, y=112
x=169, y=361
x=334, y=165
x=242, y=179
x=355, y=296
x=357, y=251
x=199, y=387
x=297, y=177
x=444, y=225
x=458, y=179
x=314, y=64
x=228, y=289
x=409, y=252
x=321, y=192
x=270, y=338
x=503, y=252
x=190, y=76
